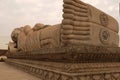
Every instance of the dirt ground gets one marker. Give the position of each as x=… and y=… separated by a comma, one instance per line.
x=8, y=72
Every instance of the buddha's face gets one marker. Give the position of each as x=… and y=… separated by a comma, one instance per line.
x=15, y=34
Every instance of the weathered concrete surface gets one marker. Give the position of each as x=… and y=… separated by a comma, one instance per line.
x=10, y=73
x=68, y=71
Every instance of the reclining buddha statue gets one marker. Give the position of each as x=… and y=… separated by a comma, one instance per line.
x=40, y=36
x=82, y=25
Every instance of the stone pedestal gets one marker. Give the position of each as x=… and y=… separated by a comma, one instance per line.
x=69, y=71
x=70, y=63
x=83, y=54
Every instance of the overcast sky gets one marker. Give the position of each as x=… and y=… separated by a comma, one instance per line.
x=17, y=13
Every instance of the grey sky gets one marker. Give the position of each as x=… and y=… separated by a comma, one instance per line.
x=17, y=13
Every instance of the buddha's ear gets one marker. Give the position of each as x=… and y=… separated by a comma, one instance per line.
x=15, y=34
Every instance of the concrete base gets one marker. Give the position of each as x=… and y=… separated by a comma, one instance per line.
x=68, y=71
x=70, y=63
